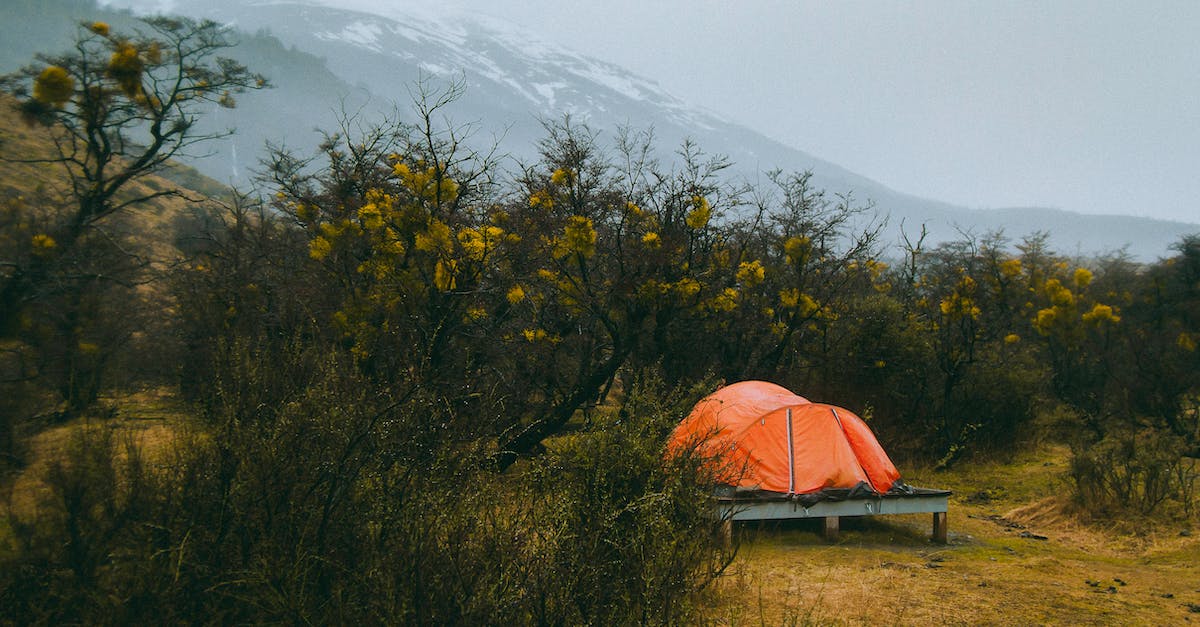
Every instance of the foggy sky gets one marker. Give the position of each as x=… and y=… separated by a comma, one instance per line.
x=1081, y=105
x=1087, y=106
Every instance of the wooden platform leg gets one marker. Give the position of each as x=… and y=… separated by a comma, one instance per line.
x=831, y=528
x=727, y=533
x=939, y=527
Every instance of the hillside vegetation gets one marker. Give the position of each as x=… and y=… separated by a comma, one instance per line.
x=397, y=382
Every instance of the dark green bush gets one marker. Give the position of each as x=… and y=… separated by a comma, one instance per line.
x=1132, y=470
x=346, y=504
x=635, y=538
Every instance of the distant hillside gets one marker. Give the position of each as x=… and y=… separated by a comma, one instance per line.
x=151, y=227
x=304, y=98
x=1076, y=233
x=324, y=60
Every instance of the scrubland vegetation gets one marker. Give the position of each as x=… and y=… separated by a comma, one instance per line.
x=404, y=380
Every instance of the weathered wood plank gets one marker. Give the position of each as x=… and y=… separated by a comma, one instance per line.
x=832, y=527
x=940, y=530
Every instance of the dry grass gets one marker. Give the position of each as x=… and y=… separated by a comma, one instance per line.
x=148, y=419
x=996, y=569
x=146, y=229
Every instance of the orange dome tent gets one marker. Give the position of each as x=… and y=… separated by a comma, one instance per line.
x=768, y=439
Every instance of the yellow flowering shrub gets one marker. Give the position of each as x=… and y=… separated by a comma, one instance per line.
x=875, y=271
x=1045, y=320
x=43, y=243
x=1101, y=314
x=700, y=213
x=541, y=199
x=808, y=306
x=435, y=239
x=370, y=216
x=1186, y=341
x=341, y=228
x=1058, y=294
x=1083, y=277
x=53, y=86
x=726, y=300
x=652, y=240
x=515, y=295
x=100, y=28
x=319, y=248
x=797, y=249
x=563, y=176
x=126, y=67
x=1010, y=268
x=960, y=303
x=793, y=299
x=579, y=237
x=426, y=183
x=751, y=273
x=534, y=335
x=686, y=287
x=479, y=243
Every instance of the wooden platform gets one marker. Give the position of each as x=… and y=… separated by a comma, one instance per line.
x=935, y=502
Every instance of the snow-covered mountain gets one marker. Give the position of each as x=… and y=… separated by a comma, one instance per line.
x=337, y=59
x=513, y=79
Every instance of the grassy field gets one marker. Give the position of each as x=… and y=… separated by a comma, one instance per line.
x=1016, y=556
x=1016, y=553
x=149, y=419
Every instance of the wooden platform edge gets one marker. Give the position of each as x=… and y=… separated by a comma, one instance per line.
x=831, y=511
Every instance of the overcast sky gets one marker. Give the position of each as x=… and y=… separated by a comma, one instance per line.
x=1083, y=105
x=1088, y=106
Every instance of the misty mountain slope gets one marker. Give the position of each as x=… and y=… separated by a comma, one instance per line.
x=323, y=59
x=513, y=81
x=304, y=97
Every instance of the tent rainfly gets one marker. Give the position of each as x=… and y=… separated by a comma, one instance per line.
x=774, y=446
